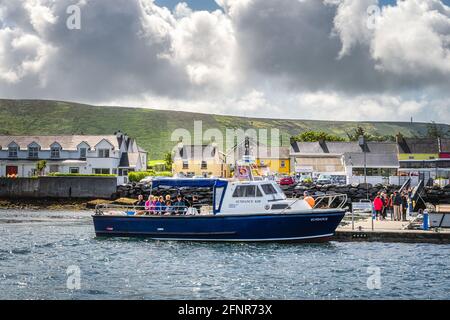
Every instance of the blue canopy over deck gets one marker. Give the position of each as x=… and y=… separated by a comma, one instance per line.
x=194, y=183
x=219, y=186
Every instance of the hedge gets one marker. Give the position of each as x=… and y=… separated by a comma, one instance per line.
x=58, y=174
x=136, y=176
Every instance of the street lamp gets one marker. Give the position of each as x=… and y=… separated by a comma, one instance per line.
x=362, y=144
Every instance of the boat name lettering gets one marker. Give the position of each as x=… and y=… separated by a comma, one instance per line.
x=248, y=201
x=319, y=219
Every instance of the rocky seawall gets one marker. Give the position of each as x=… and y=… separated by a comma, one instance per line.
x=355, y=192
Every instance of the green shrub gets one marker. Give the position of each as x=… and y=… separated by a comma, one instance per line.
x=58, y=174
x=136, y=176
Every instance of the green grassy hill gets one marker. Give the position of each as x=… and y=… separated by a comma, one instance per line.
x=153, y=128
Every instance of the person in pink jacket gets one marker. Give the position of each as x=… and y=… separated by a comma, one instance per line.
x=150, y=205
x=378, y=206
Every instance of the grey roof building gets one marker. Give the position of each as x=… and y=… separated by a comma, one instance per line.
x=343, y=157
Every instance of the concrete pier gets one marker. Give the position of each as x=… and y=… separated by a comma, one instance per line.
x=389, y=231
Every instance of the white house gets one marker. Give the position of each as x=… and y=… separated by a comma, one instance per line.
x=109, y=154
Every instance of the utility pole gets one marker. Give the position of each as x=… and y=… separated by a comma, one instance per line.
x=362, y=144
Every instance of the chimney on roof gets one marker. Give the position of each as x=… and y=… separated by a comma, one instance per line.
x=323, y=145
x=291, y=140
x=399, y=138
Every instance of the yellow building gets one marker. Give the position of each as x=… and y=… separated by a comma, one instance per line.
x=420, y=157
x=275, y=163
x=268, y=160
x=204, y=160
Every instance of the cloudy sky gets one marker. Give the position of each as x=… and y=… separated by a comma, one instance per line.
x=308, y=59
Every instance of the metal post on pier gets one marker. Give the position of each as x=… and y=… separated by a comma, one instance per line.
x=353, y=219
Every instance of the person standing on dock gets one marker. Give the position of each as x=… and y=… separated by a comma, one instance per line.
x=385, y=200
x=404, y=206
x=378, y=206
x=397, y=202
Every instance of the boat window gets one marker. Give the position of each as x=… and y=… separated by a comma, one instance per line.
x=244, y=192
x=280, y=206
x=218, y=197
x=258, y=192
x=268, y=189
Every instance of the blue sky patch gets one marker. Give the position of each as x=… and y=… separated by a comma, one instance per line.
x=211, y=5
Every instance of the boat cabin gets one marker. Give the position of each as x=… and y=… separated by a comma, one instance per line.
x=241, y=197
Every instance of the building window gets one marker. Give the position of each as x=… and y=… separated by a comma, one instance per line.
x=83, y=152
x=185, y=165
x=103, y=153
x=204, y=165
x=12, y=152
x=283, y=164
x=74, y=170
x=54, y=168
x=114, y=171
x=33, y=152
x=100, y=171
x=55, y=152
x=383, y=172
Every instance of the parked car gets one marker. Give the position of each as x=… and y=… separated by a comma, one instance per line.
x=305, y=178
x=286, y=181
x=324, y=179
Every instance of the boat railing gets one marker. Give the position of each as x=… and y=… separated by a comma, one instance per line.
x=327, y=201
x=135, y=210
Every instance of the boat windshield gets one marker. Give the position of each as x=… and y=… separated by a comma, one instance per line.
x=273, y=190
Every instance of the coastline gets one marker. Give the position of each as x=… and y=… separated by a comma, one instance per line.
x=53, y=204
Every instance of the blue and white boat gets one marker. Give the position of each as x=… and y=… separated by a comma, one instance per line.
x=241, y=211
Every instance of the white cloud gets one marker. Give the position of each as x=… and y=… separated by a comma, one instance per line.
x=352, y=23
x=286, y=58
x=413, y=39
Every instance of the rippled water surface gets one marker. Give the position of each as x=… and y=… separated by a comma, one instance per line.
x=37, y=248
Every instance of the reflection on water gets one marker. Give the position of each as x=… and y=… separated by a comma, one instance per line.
x=36, y=248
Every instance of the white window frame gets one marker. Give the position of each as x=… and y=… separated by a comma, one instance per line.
x=77, y=169
x=33, y=152
x=13, y=152
x=102, y=170
x=55, y=152
x=102, y=153
x=81, y=153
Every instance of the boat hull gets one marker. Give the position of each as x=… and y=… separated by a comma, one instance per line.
x=309, y=227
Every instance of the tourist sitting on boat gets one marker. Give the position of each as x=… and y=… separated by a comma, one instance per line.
x=169, y=208
x=148, y=204
x=180, y=205
x=309, y=200
x=196, y=204
x=140, y=205
x=160, y=205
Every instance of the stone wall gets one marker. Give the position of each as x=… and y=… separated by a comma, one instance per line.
x=58, y=187
x=355, y=192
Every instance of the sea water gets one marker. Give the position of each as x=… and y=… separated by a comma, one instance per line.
x=55, y=255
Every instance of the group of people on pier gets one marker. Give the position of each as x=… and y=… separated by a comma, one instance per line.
x=164, y=205
x=395, y=205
